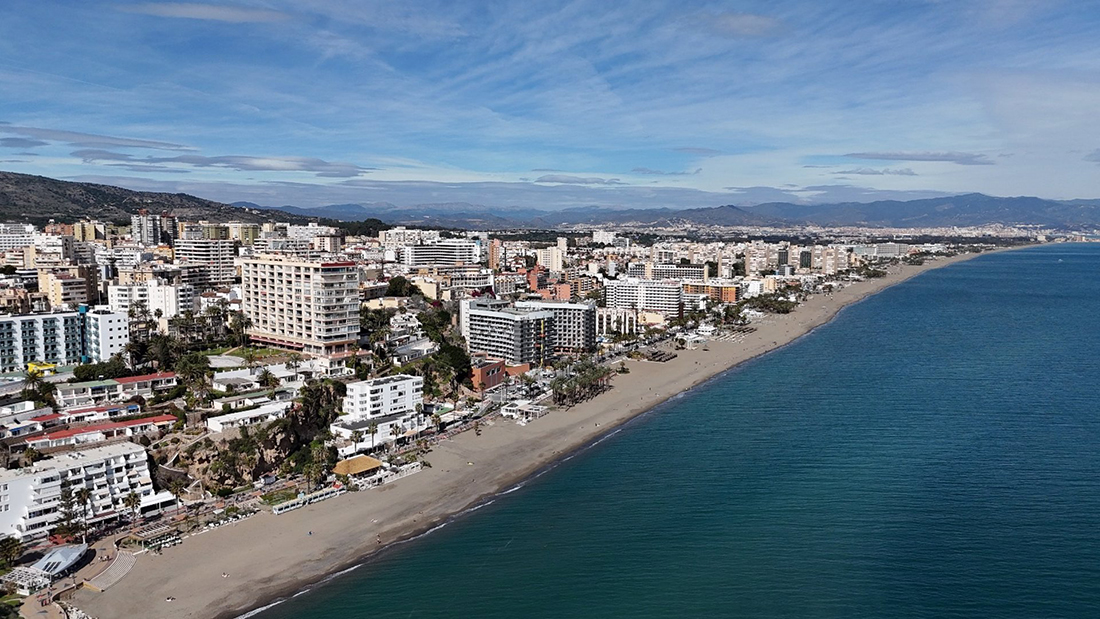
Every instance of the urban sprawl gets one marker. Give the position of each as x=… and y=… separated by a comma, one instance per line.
x=168, y=377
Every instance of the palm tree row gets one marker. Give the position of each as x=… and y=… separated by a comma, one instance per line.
x=584, y=380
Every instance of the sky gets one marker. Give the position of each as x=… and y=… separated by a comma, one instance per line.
x=556, y=104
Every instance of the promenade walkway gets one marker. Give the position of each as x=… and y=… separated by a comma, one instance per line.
x=120, y=566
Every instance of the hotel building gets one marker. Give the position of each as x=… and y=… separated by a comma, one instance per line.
x=311, y=306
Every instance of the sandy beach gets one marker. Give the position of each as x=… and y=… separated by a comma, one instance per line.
x=268, y=556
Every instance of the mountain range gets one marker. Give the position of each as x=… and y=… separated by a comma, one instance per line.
x=37, y=199
x=966, y=210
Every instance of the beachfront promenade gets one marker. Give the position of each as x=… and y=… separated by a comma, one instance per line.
x=271, y=556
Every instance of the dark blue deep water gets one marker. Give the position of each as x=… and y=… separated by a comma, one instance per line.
x=933, y=452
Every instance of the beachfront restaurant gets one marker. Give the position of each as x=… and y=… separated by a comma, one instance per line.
x=358, y=468
x=51, y=567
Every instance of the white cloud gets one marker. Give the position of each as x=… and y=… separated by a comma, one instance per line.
x=194, y=10
x=951, y=157
x=76, y=138
x=567, y=179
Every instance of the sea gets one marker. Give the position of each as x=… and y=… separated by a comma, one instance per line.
x=933, y=452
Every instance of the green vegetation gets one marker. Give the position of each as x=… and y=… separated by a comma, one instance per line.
x=114, y=368
x=401, y=287
x=38, y=389
x=583, y=380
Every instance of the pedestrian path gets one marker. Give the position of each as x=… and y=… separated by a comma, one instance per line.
x=123, y=563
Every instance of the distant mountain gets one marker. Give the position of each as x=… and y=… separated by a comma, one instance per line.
x=38, y=199
x=972, y=209
x=964, y=210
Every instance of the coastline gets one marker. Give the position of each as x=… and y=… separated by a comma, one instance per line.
x=273, y=557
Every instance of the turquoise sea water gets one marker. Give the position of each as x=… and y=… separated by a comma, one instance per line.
x=933, y=452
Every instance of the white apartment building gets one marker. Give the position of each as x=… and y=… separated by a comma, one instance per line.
x=649, y=270
x=305, y=305
x=30, y=497
x=217, y=255
x=15, y=236
x=515, y=335
x=605, y=237
x=381, y=397
x=309, y=231
x=448, y=251
x=552, y=258
x=170, y=300
x=53, y=338
x=106, y=333
x=574, y=324
x=401, y=236
x=664, y=296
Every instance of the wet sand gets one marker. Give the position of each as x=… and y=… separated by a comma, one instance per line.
x=268, y=557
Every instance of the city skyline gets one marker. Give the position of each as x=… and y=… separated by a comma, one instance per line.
x=551, y=106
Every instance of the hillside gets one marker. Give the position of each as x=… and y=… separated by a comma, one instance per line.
x=38, y=199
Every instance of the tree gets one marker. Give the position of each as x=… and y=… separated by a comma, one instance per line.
x=84, y=497
x=294, y=361
x=177, y=487
x=239, y=325
x=192, y=370
x=268, y=380
x=250, y=358
x=132, y=502
x=66, y=510
x=356, y=437
x=401, y=287
x=373, y=430
x=10, y=550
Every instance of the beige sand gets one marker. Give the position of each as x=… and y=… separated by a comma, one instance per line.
x=269, y=556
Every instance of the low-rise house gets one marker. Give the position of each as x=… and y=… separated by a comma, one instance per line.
x=265, y=413
x=114, y=390
x=100, y=432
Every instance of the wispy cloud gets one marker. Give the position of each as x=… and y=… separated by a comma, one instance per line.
x=75, y=138
x=21, y=143
x=703, y=152
x=567, y=179
x=242, y=163
x=876, y=172
x=1093, y=156
x=194, y=10
x=950, y=157
x=652, y=172
x=738, y=25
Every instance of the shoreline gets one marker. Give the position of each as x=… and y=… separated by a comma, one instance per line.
x=273, y=558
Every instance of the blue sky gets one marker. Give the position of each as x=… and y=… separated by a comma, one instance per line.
x=553, y=105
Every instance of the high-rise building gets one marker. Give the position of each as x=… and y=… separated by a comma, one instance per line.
x=152, y=230
x=552, y=258
x=511, y=334
x=649, y=270
x=305, y=305
x=65, y=338
x=106, y=333
x=161, y=299
x=496, y=255
x=29, y=505
x=448, y=251
x=216, y=255
x=574, y=324
x=665, y=296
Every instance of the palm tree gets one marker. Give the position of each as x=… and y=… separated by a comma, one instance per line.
x=133, y=502
x=268, y=380
x=250, y=358
x=84, y=497
x=373, y=429
x=293, y=362
x=437, y=421
x=356, y=436
x=396, y=431
x=177, y=487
